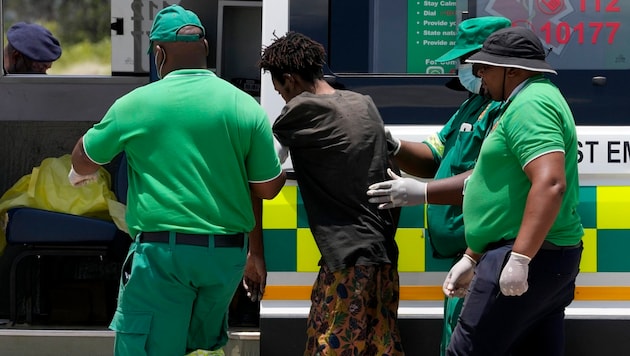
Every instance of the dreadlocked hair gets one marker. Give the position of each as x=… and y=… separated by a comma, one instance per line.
x=294, y=53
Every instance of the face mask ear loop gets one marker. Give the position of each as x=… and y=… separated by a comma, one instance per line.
x=163, y=61
x=503, y=98
x=159, y=68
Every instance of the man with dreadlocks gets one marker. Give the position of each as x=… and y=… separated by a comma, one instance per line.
x=338, y=148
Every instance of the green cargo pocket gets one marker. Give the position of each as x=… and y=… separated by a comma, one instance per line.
x=132, y=329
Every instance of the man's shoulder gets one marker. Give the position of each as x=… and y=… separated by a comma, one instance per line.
x=539, y=87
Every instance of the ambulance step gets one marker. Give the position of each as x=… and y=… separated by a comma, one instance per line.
x=36, y=342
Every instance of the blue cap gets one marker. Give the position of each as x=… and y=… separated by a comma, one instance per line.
x=34, y=41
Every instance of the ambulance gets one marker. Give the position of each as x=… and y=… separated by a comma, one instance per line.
x=385, y=49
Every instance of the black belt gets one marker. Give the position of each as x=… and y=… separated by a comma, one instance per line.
x=546, y=245
x=233, y=240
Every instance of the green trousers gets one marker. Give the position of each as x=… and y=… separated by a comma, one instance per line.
x=174, y=298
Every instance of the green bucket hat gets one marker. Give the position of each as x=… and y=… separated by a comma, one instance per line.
x=169, y=21
x=472, y=33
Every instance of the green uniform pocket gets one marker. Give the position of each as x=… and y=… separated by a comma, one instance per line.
x=132, y=329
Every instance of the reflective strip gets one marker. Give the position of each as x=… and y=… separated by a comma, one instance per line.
x=582, y=293
x=435, y=142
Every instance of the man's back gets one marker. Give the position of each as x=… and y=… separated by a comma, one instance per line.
x=201, y=136
x=338, y=150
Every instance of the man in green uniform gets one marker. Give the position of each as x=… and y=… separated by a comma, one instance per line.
x=197, y=147
x=450, y=152
x=520, y=205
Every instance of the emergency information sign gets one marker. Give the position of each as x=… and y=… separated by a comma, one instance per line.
x=431, y=33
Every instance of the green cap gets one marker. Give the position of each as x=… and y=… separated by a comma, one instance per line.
x=472, y=33
x=169, y=21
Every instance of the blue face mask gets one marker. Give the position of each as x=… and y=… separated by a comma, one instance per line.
x=468, y=79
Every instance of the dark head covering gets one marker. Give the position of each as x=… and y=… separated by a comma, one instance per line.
x=34, y=42
x=514, y=47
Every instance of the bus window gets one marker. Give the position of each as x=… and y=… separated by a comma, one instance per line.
x=82, y=28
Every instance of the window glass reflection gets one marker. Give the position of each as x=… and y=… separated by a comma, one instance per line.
x=81, y=26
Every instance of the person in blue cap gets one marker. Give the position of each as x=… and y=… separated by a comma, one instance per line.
x=451, y=152
x=30, y=49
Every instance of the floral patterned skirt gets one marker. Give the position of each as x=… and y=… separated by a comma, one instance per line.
x=354, y=312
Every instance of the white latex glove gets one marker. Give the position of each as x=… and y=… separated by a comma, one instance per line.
x=281, y=151
x=77, y=179
x=398, y=192
x=513, y=280
x=393, y=144
x=459, y=277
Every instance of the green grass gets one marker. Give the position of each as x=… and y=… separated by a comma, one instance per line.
x=85, y=58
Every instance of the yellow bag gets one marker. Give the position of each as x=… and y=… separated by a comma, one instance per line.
x=48, y=188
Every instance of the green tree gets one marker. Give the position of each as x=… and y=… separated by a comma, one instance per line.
x=85, y=20
x=72, y=21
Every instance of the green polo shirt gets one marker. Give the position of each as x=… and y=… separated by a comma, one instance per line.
x=194, y=142
x=537, y=121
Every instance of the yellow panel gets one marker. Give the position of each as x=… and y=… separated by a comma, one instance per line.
x=612, y=207
x=589, y=255
x=281, y=212
x=411, y=246
x=307, y=252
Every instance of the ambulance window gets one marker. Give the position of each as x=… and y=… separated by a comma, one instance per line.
x=82, y=28
x=403, y=37
x=580, y=34
x=103, y=37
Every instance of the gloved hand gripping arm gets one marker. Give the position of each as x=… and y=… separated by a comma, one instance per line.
x=398, y=192
x=281, y=151
x=393, y=143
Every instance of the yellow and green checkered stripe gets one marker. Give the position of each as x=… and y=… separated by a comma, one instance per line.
x=605, y=210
